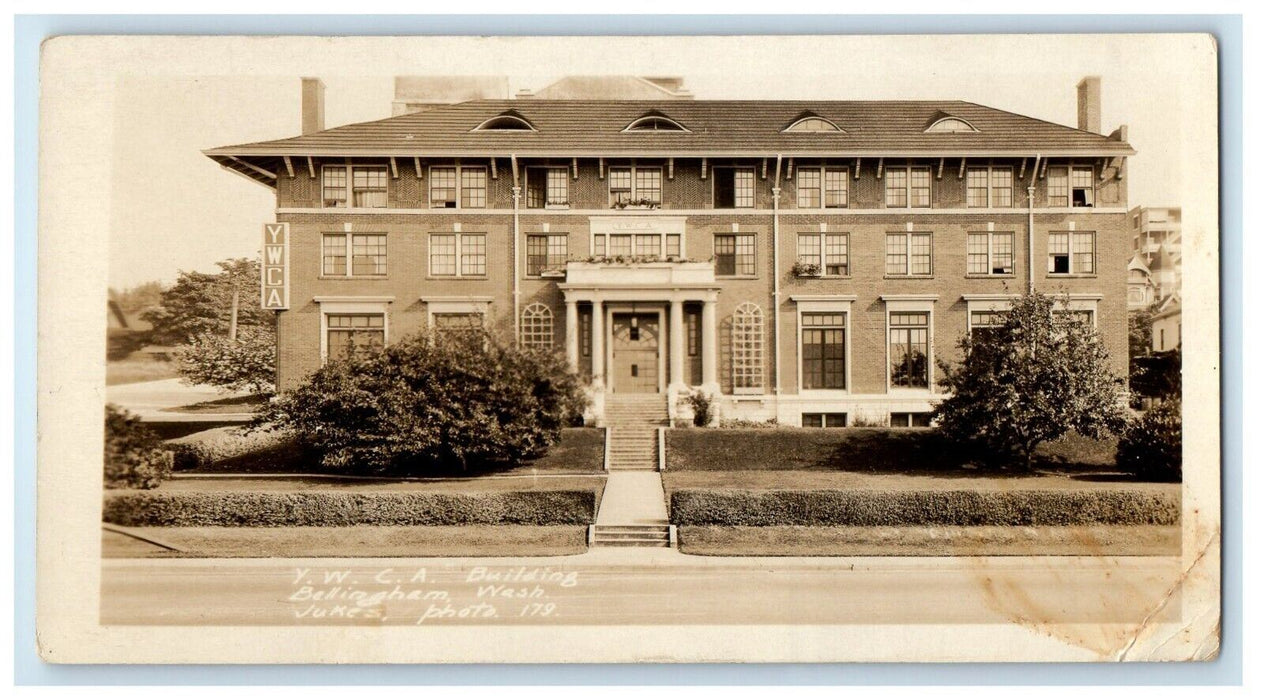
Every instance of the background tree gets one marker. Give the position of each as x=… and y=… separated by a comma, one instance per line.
x=138, y=298
x=432, y=405
x=201, y=303
x=1151, y=447
x=1140, y=331
x=1043, y=373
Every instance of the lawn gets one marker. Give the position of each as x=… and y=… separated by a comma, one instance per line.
x=230, y=405
x=1096, y=540
x=138, y=368
x=353, y=541
x=916, y=480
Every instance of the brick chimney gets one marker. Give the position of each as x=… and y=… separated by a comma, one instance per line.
x=1089, y=104
x=313, y=105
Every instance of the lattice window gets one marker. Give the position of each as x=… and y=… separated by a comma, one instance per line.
x=537, y=326
x=748, y=349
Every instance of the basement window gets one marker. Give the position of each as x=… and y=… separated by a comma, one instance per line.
x=825, y=420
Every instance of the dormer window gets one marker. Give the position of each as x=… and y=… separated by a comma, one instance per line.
x=950, y=125
x=508, y=121
x=812, y=124
x=655, y=122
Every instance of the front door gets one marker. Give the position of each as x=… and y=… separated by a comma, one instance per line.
x=634, y=350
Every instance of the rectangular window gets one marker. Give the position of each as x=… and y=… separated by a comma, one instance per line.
x=808, y=182
x=1082, y=186
x=819, y=187
x=908, y=254
x=642, y=245
x=977, y=187
x=443, y=188
x=640, y=186
x=620, y=244
x=734, y=188
x=585, y=334
x=735, y=255
x=368, y=186
x=990, y=187
x=824, y=420
x=834, y=245
x=1002, y=187
x=836, y=188
x=673, y=245
x=910, y=349
x=546, y=253
x=693, y=331
x=907, y=186
x=367, y=254
x=985, y=324
x=1077, y=316
x=990, y=253
x=824, y=351
x=547, y=187
x=1072, y=253
x=473, y=188
x=444, y=258
x=447, y=323
x=354, y=335
x=809, y=252
x=333, y=185
x=910, y=420
x=1059, y=193
x=647, y=245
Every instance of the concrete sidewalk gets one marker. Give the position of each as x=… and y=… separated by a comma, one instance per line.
x=152, y=401
x=633, y=498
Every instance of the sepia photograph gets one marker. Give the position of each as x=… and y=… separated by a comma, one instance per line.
x=671, y=349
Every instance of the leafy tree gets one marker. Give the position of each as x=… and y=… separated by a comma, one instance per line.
x=1042, y=373
x=1151, y=447
x=143, y=296
x=134, y=457
x=247, y=363
x=201, y=303
x=1140, y=331
x=1157, y=376
x=432, y=404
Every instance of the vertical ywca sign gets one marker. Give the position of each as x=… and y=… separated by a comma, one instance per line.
x=275, y=274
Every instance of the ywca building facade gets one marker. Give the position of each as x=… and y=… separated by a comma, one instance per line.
x=809, y=261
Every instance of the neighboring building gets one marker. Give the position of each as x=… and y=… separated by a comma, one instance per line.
x=1141, y=291
x=1165, y=325
x=417, y=93
x=1156, y=238
x=611, y=87
x=804, y=260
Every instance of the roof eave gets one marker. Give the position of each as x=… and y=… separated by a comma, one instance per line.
x=505, y=151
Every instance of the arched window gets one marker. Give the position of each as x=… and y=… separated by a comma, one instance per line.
x=812, y=124
x=508, y=121
x=655, y=122
x=950, y=125
x=748, y=349
x=537, y=326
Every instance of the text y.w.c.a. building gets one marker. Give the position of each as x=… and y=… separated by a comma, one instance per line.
x=805, y=260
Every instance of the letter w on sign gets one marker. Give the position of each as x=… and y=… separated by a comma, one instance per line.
x=274, y=287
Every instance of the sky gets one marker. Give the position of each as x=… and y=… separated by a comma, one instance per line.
x=173, y=209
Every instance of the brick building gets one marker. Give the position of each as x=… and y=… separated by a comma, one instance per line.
x=805, y=260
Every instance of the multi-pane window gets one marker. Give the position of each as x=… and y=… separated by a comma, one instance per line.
x=1082, y=317
x=910, y=349
x=1057, y=186
x=748, y=349
x=649, y=245
x=547, y=187
x=824, y=350
x=824, y=420
x=537, y=326
x=443, y=188
x=458, y=322
x=819, y=187
x=908, y=186
x=368, y=186
x=1082, y=186
x=585, y=334
x=366, y=253
x=734, y=188
x=985, y=324
x=333, y=185
x=354, y=335
x=458, y=254
x=834, y=245
x=1072, y=253
x=640, y=186
x=735, y=254
x=990, y=187
x=920, y=419
x=473, y=188
x=546, y=253
x=1077, y=191
x=908, y=254
x=990, y=253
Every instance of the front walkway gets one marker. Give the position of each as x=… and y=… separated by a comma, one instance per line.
x=633, y=498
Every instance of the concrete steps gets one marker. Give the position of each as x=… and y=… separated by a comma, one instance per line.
x=633, y=512
x=632, y=535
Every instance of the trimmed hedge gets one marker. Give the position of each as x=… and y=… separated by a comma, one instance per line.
x=211, y=447
x=332, y=509
x=852, y=449
x=891, y=508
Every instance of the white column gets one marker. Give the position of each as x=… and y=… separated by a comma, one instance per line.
x=709, y=348
x=598, y=344
x=572, y=335
x=677, y=380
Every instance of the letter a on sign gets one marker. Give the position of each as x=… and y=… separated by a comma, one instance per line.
x=275, y=278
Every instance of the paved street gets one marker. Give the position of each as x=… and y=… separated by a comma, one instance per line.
x=151, y=400
x=615, y=586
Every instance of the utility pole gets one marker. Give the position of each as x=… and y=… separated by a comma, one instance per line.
x=232, y=319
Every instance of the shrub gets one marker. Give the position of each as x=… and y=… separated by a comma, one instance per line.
x=897, y=508
x=247, y=363
x=703, y=408
x=211, y=447
x=340, y=509
x=747, y=424
x=134, y=457
x=1151, y=447
x=432, y=405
